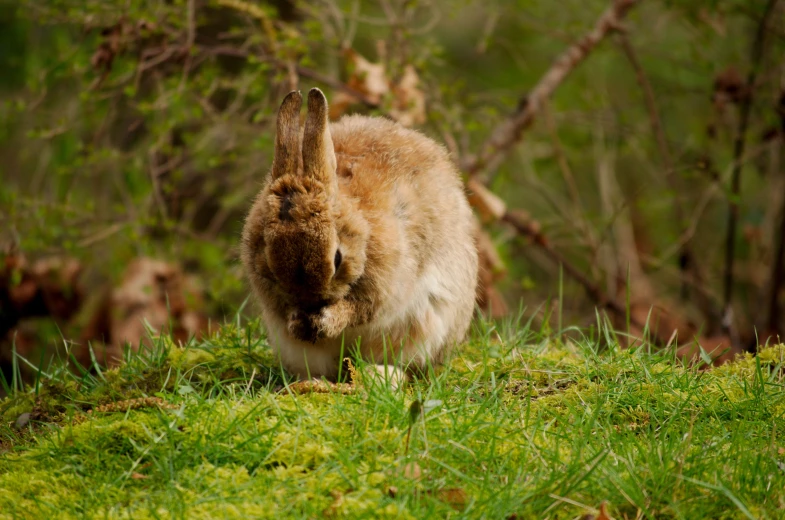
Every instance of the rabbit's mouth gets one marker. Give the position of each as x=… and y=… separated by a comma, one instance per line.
x=314, y=307
x=306, y=304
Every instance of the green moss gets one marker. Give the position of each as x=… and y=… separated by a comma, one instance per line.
x=508, y=431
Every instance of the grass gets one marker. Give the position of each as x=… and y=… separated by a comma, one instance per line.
x=516, y=425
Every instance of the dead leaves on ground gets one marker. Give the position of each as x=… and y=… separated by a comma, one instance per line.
x=667, y=325
x=158, y=295
x=46, y=287
x=152, y=296
x=492, y=270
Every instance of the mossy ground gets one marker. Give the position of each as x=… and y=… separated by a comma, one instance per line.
x=517, y=425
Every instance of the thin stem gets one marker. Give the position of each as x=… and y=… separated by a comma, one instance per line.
x=738, y=152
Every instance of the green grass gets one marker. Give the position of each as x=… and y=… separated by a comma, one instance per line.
x=516, y=424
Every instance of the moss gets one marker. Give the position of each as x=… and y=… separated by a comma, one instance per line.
x=11, y=408
x=188, y=358
x=510, y=432
x=24, y=491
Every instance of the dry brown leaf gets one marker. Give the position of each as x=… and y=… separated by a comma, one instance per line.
x=152, y=293
x=139, y=476
x=455, y=497
x=489, y=205
x=367, y=78
x=332, y=509
x=604, y=512
x=371, y=80
x=409, y=100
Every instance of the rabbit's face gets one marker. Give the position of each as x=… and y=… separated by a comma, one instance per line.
x=314, y=250
x=303, y=244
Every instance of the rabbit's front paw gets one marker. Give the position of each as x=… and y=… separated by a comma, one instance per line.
x=301, y=327
x=330, y=321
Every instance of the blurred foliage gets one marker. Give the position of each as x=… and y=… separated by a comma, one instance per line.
x=144, y=128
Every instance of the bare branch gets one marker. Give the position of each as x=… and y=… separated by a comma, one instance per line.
x=777, y=279
x=525, y=226
x=692, y=266
x=738, y=152
x=509, y=132
x=302, y=71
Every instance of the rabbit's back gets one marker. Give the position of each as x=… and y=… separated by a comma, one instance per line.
x=422, y=250
x=403, y=177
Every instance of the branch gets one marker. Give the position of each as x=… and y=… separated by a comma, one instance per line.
x=501, y=141
x=335, y=84
x=530, y=228
x=777, y=279
x=491, y=207
x=507, y=134
x=651, y=106
x=705, y=304
x=738, y=153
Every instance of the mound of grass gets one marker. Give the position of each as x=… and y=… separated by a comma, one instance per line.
x=517, y=425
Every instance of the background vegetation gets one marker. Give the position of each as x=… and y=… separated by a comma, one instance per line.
x=143, y=129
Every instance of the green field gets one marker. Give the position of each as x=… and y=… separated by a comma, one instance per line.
x=518, y=424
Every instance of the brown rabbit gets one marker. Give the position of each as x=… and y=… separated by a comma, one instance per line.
x=362, y=235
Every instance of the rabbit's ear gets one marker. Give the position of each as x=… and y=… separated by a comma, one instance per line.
x=287, y=139
x=318, y=151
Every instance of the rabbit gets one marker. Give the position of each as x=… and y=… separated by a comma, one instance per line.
x=361, y=234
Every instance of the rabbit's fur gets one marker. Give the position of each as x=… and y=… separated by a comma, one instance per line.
x=387, y=206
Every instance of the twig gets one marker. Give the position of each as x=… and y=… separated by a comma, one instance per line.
x=706, y=305
x=190, y=39
x=158, y=196
x=738, y=152
x=302, y=71
x=103, y=234
x=531, y=229
x=777, y=279
x=509, y=133
x=498, y=145
x=577, y=217
x=651, y=106
x=336, y=84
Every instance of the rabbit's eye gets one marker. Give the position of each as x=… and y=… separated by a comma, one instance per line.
x=338, y=258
